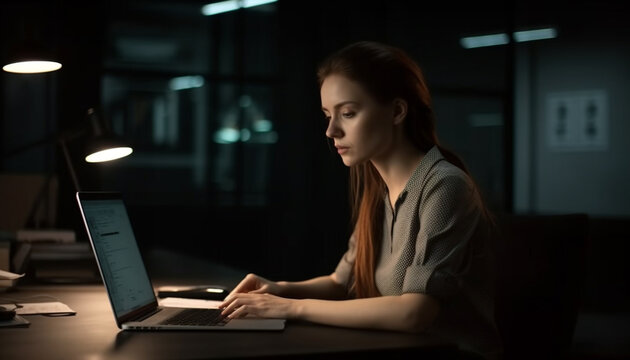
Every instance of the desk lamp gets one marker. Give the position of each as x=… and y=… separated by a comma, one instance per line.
x=101, y=145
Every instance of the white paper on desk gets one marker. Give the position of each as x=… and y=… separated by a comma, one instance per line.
x=189, y=303
x=9, y=275
x=43, y=308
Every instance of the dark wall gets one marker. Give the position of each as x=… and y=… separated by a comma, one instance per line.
x=303, y=228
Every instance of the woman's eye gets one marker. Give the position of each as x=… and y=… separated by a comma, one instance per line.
x=326, y=118
x=347, y=115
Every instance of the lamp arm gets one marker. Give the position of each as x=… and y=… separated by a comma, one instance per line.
x=60, y=137
x=66, y=155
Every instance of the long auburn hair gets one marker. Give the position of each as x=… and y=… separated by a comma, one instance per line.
x=386, y=73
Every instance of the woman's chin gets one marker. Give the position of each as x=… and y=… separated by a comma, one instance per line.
x=350, y=161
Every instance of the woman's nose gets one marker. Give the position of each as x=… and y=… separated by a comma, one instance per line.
x=333, y=130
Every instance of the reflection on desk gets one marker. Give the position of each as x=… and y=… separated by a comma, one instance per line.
x=92, y=334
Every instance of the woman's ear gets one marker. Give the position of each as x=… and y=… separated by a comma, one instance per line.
x=400, y=110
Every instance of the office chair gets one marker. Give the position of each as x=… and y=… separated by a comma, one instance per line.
x=541, y=263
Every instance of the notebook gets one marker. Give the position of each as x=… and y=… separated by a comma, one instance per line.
x=128, y=285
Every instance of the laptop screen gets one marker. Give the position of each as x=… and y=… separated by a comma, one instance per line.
x=117, y=253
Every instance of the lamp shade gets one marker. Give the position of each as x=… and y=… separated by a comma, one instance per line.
x=103, y=149
x=31, y=66
x=30, y=50
x=30, y=57
x=101, y=145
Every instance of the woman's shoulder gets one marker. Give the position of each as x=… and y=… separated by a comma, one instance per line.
x=445, y=173
x=435, y=172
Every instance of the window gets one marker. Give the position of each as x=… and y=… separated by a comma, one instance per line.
x=194, y=95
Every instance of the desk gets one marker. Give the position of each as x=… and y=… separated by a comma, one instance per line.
x=92, y=334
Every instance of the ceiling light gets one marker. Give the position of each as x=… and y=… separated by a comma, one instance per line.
x=231, y=5
x=538, y=34
x=471, y=42
x=484, y=40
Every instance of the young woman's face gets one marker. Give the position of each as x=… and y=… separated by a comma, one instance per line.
x=361, y=127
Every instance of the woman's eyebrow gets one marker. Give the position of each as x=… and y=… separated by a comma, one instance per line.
x=337, y=106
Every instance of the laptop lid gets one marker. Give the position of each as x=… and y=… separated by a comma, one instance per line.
x=118, y=257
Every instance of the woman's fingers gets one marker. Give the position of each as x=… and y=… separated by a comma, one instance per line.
x=226, y=305
x=260, y=305
x=236, y=306
x=240, y=312
x=261, y=290
x=248, y=283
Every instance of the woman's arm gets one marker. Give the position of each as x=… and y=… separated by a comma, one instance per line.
x=408, y=312
x=322, y=287
x=411, y=312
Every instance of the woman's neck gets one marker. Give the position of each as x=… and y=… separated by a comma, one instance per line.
x=397, y=167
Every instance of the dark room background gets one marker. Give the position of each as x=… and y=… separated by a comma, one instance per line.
x=230, y=160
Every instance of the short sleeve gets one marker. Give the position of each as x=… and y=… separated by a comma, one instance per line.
x=343, y=272
x=449, y=215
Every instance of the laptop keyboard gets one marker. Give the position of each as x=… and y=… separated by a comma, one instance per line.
x=197, y=317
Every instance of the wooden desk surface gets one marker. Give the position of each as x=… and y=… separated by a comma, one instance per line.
x=92, y=334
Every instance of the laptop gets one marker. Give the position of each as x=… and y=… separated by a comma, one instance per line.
x=129, y=288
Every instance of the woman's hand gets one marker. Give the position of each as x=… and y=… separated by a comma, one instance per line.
x=254, y=295
x=254, y=284
x=239, y=305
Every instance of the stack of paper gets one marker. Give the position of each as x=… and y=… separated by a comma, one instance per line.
x=8, y=280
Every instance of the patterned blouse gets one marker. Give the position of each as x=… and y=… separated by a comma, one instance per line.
x=436, y=242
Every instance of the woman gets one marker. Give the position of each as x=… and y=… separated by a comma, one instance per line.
x=419, y=258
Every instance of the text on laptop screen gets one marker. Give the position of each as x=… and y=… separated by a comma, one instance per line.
x=120, y=260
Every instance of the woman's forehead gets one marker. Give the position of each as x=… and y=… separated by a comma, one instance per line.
x=337, y=89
